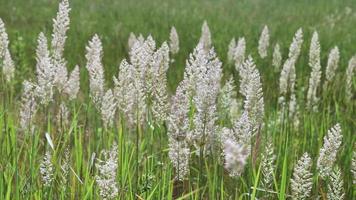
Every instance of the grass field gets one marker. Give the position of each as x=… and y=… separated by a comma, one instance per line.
x=143, y=167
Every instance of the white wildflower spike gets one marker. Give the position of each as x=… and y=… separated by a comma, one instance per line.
x=353, y=167
x=128, y=92
x=207, y=89
x=106, y=177
x=46, y=169
x=205, y=38
x=227, y=98
x=159, y=67
x=295, y=46
x=333, y=64
x=336, y=185
x=327, y=154
x=8, y=66
x=277, y=57
x=351, y=68
x=239, y=55
x=132, y=40
x=60, y=28
x=287, y=78
x=95, y=68
x=4, y=40
x=178, y=119
x=173, y=41
x=44, y=70
x=251, y=88
x=73, y=84
x=179, y=154
x=108, y=109
x=263, y=43
x=178, y=127
x=302, y=178
x=241, y=131
x=231, y=50
x=314, y=80
x=235, y=157
x=268, y=165
x=28, y=106
x=141, y=56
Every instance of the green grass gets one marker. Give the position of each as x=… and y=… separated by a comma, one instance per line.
x=113, y=20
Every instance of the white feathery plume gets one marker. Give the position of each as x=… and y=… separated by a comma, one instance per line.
x=178, y=119
x=302, y=180
x=141, y=56
x=4, y=39
x=336, y=185
x=132, y=40
x=95, y=68
x=327, y=154
x=179, y=154
x=207, y=90
x=227, y=98
x=251, y=88
x=28, y=106
x=129, y=92
x=108, y=109
x=239, y=55
x=235, y=157
x=73, y=84
x=159, y=67
x=314, y=80
x=123, y=88
x=45, y=71
x=295, y=46
x=241, y=131
x=263, y=43
x=8, y=66
x=136, y=80
x=277, y=57
x=205, y=38
x=46, y=169
x=333, y=63
x=107, y=171
x=353, y=167
x=178, y=128
x=60, y=28
x=173, y=41
x=287, y=80
x=231, y=50
x=349, y=75
x=268, y=165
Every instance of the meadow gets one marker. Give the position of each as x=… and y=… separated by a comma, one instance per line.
x=166, y=99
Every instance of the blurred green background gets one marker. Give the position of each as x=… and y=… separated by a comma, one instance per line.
x=113, y=20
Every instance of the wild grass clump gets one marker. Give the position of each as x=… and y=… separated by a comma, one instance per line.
x=263, y=131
